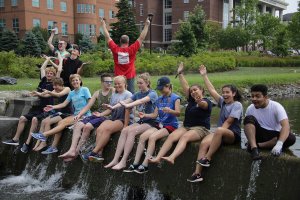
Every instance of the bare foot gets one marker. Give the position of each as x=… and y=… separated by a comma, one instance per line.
x=154, y=160
x=111, y=164
x=40, y=146
x=69, y=159
x=168, y=159
x=119, y=166
x=68, y=154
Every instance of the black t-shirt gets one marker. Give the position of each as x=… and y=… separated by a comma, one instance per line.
x=44, y=84
x=196, y=116
x=66, y=110
x=69, y=67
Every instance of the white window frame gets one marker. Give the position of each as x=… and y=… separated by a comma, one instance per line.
x=63, y=6
x=111, y=14
x=186, y=15
x=14, y=2
x=141, y=9
x=50, y=25
x=16, y=22
x=101, y=12
x=64, y=28
x=36, y=22
x=3, y=23
x=35, y=3
x=186, y=1
x=50, y=4
x=1, y=3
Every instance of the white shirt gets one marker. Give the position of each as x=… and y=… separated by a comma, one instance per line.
x=269, y=117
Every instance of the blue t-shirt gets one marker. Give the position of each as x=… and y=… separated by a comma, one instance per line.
x=234, y=110
x=196, y=116
x=167, y=119
x=79, y=99
x=146, y=107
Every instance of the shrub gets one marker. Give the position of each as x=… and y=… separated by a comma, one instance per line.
x=255, y=61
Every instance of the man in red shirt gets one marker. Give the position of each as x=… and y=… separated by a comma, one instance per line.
x=125, y=55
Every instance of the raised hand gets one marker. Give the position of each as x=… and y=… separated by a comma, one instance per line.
x=102, y=21
x=180, y=68
x=147, y=22
x=202, y=70
x=48, y=108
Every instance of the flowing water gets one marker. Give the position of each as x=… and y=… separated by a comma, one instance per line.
x=38, y=181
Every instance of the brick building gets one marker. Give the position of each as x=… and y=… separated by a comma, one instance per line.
x=169, y=13
x=72, y=16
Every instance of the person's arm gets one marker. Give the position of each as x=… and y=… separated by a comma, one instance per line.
x=43, y=68
x=202, y=104
x=89, y=105
x=175, y=112
x=228, y=122
x=105, y=31
x=58, y=106
x=136, y=103
x=121, y=103
x=144, y=31
x=208, y=84
x=183, y=82
x=283, y=135
x=50, y=40
x=65, y=91
x=150, y=115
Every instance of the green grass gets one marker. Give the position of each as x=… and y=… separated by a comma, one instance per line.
x=242, y=78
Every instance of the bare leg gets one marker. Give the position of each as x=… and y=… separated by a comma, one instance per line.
x=203, y=149
x=151, y=144
x=173, y=137
x=121, y=144
x=129, y=144
x=33, y=127
x=141, y=146
x=56, y=139
x=75, y=138
x=220, y=134
x=20, y=128
x=250, y=132
x=84, y=136
x=60, y=126
x=104, y=132
x=189, y=136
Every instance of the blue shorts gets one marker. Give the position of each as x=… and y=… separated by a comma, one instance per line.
x=95, y=121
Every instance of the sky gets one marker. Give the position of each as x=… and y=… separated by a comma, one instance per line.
x=292, y=7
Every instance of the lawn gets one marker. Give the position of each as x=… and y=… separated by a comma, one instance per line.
x=242, y=77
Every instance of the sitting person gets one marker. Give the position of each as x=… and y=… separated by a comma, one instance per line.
x=229, y=124
x=83, y=128
x=59, y=93
x=115, y=123
x=47, y=74
x=266, y=124
x=167, y=109
x=196, y=122
x=144, y=100
x=79, y=98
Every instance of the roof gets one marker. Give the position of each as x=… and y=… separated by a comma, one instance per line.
x=288, y=16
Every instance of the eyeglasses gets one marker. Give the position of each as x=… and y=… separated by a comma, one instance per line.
x=140, y=83
x=60, y=43
x=108, y=82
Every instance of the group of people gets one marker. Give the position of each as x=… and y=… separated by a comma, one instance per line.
x=66, y=102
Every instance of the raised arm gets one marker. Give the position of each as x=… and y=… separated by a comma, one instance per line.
x=144, y=32
x=183, y=82
x=50, y=40
x=105, y=31
x=43, y=68
x=208, y=84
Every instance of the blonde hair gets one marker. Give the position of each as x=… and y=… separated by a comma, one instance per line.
x=75, y=76
x=146, y=77
x=51, y=69
x=122, y=78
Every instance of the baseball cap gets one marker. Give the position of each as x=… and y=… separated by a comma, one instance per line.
x=162, y=82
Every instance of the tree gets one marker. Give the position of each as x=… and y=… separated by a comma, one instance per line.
x=187, y=44
x=198, y=24
x=266, y=27
x=125, y=24
x=8, y=40
x=294, y=30
x=232, y=38
x=213, y=31
x=77, y=37
x=280, y=43
x=40, y=39
x=29, y=45
x=86, y=44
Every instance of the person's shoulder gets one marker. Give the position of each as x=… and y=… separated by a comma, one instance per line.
x=238, y=104
x=250, y=107
x=175, y=96
x=85, y=88
x=127, y=93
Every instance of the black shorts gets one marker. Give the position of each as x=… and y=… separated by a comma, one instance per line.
x=151, y=122
x=264, y=135
x=38, y=114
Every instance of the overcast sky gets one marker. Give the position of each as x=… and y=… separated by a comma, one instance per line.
x=292, y=7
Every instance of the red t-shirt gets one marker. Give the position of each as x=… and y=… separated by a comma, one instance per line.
x=124, y=58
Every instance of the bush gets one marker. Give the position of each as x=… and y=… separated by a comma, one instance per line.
x=255, y=61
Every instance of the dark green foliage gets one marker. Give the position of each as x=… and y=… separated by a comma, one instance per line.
x=256, y=61
x=232, y=38
x=77, y=37
x=280, y=43
x=45, y=33
x=37, y=31
x=125, y=24
x=8, y=40
x=29, y=45
x=294, y=30
x=86, y=44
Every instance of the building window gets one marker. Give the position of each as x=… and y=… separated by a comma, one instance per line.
x=2, y=23
x=50, y=4
x=186, y=15
x=93, y=9
x=64, y=28
x=168, y=35
x=101, y=12
x=86, y=8
x=14, y=2
x=225, y=13
x=141, y=9
x=16, y=25
x=36, y=22
x=101, y=31
x=87, y=29
x=168, y=18
x=63, y=6
x=111, y=14
x=36, y=3
x=186, y=1
x=168, y=3
x=50, y=25
x=1, y=3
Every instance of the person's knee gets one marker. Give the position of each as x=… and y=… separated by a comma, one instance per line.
x=34, y=120
x=185, y=138
x=219, y=132
x=88, y=128
x=250, y=119
x=152, y=139
x=23, y=119
x=289, y=141
x=143, y=138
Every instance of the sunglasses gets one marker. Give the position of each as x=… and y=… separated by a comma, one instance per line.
x=108, y=82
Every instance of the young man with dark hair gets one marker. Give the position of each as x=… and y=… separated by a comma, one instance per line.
x=125, y=55
x=266, y=124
